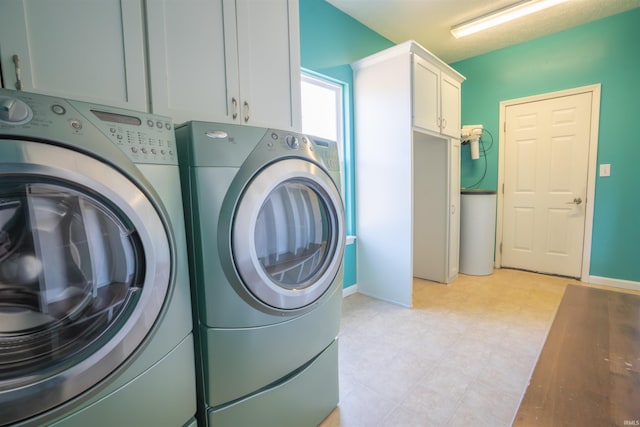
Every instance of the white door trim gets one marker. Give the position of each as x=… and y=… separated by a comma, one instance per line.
x=591, y=174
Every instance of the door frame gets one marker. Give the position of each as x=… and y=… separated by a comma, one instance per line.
x=591, y=172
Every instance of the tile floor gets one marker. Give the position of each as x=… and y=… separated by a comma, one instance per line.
x=462, y=356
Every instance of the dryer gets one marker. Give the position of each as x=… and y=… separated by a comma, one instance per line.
x=95, y=314
x=266, y=233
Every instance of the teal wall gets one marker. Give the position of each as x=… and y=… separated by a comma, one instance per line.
x=329, y=42
x=603, y=52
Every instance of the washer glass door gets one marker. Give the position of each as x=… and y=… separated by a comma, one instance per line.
x=84, y=272
x=68, y=269
x=288, y=234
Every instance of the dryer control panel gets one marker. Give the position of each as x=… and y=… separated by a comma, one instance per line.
x=143, y=137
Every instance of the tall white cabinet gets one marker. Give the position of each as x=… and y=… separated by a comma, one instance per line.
x=407, y=154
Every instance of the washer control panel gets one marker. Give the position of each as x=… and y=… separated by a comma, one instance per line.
x=143, y=137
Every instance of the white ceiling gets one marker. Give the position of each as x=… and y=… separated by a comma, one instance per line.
x=428, y=22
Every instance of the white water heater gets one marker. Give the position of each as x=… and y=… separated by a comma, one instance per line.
x=477, y=231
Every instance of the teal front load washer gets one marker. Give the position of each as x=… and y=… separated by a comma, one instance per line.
x=266, y=237
x=95, y=309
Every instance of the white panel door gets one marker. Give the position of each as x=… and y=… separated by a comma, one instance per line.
x=545, y=184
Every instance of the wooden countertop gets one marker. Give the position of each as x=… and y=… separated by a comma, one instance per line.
x=588, y=373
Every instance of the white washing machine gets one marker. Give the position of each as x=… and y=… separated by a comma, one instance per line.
x=265, y=222
x=95, y=314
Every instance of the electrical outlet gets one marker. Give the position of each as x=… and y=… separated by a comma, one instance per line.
x=605, y=170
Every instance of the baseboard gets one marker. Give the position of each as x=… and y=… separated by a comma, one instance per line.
x=616, y=283
x=349, y=290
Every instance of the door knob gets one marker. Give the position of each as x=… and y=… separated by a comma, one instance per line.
x=576, y=201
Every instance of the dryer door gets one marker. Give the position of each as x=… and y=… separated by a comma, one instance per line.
x=84, y=271
x=288, y=234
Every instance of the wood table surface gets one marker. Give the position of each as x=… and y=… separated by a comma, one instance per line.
x=588, y=373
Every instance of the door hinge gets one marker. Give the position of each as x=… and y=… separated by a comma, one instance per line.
x=504, y=126
x=500, y=247
x=503, y=188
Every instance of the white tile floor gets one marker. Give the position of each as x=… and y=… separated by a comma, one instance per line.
x=462, y=356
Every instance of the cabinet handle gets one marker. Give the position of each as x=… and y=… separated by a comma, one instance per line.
x=234, y=106
x=16, y=62
x=247, y=111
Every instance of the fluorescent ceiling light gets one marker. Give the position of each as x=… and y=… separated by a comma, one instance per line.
x=501, y=16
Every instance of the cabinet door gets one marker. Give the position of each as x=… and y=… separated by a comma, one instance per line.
x=93, y=51
x=188, y=60
x=454, y=209
x=426, y=95
x=269, y=62
x=450, y=104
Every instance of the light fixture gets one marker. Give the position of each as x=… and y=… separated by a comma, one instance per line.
x=501, y=16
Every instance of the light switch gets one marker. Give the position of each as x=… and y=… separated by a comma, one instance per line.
x=605, y=170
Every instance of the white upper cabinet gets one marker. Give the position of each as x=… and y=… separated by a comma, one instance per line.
x=92, y=51
x=436, y=95
x=233, y=61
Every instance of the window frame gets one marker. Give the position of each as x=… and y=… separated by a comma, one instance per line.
x=345, y=151
x=339, y=89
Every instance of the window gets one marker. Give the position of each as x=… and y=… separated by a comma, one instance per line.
x=323, y=113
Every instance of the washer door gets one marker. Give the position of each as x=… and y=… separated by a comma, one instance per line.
x=84, y=273
x=288, y=234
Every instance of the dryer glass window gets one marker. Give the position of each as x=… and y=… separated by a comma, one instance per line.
x=293, y=234
x=287, y=235
x=70, y=269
